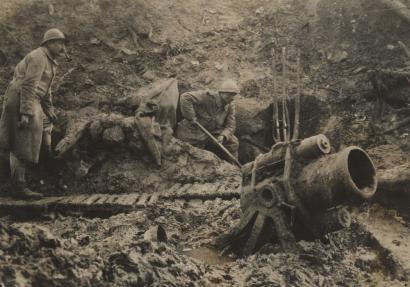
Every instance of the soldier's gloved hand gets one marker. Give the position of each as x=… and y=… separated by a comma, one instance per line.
x=220, y=139
x=53, y=117
x=24, y=121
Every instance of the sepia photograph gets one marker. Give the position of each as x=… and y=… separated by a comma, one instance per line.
x=202, y=143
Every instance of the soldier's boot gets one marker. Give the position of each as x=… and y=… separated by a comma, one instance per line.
x=4, y=169
x=4, y=173
x=18, y=175
x=46, y=154
x=23, y=192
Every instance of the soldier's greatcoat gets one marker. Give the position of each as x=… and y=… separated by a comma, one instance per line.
x=27, y=94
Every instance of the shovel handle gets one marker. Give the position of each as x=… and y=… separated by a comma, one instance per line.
x=231, y=157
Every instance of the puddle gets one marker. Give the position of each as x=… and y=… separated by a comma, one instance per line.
x=208, y=256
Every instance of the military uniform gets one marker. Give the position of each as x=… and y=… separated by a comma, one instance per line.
x=209, y=110
x=29, y=94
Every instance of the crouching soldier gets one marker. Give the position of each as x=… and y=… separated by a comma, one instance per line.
x=215, y=111
x=28, y=115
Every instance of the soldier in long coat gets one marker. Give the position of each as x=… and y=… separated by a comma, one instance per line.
x=215, y=111
x=28, y=114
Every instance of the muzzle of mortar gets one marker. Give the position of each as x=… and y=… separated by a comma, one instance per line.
x=333, y=179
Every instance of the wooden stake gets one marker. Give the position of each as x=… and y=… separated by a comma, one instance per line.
x=275, y=109
x=297, y=100
x=284, y=96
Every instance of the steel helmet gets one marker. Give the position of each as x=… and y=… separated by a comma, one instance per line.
x=229, y=86
x=53, y=34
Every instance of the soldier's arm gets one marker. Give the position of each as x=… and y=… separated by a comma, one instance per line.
x=187, y=102
x=230, y=122
x=34, y=71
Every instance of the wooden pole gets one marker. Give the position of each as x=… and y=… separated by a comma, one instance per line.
x=275, y=109
x=284, y=96
x=231, y=157
x=297, y=100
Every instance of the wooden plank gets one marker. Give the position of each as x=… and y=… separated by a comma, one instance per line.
x=191, y=191
x=48, y=200
x=228, y=190
x=111, y=200
x=102, y=199
x=67, y=199
x=208, y=189
x=154, y=198
x=92, y=199
x=80, y=198
x=184, y=189
x=12, y=202
x=129, y=199
x=142, y=200
x=168, y=193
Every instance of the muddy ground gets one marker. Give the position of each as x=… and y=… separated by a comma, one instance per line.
x=118, y=46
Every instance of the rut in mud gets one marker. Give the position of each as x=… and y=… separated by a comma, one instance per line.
x=120, y=45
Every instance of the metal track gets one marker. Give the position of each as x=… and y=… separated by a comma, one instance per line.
x=115, y=203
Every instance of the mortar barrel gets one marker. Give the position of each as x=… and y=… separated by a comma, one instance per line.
x=308, y=148
x=333, y=179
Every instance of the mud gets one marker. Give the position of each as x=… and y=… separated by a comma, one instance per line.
x=119, y=46
x=113, y=252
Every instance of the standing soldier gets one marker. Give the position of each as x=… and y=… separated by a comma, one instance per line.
x=215, y=111
x=28, y=113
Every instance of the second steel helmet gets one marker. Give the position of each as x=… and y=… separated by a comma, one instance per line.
x=229, y=86
x=53, y=34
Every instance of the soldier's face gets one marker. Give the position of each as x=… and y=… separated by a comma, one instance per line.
x=228, y=97
x=56, y=47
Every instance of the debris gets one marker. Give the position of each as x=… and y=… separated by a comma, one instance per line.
x=128, y=52
x=219, y=66
x=51, y=9
x=359, y=70
x=156, y=233
x=390, y=47
x=337, y=56
x=95, y=41
x=260, y=10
